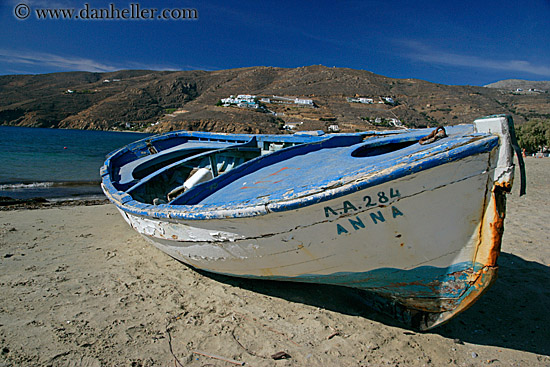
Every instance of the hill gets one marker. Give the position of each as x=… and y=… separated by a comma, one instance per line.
x=514, y=84
x=168, y=100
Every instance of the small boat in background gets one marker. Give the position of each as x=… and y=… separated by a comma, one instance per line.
x=413, y=216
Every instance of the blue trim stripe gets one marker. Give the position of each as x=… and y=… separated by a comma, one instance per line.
x=421, y=282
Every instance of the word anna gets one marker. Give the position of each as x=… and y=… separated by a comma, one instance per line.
x=381, y=199
x=376, y=218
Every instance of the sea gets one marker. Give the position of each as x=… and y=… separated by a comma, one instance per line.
x=55, y=164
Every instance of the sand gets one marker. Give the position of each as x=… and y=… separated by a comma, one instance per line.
x=78, y=287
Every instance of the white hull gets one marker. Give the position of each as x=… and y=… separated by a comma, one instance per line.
x=429, y=219
x=427, y=240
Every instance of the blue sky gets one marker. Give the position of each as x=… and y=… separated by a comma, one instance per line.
x=449, y=42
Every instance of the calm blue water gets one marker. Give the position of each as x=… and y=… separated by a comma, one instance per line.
x=55, y=163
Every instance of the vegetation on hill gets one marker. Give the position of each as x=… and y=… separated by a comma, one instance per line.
x=534, y=135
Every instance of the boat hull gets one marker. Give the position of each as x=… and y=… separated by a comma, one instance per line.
x=414, y=221
x=413, y=241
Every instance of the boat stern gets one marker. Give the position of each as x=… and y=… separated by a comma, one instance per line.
x=492, y=225
x=487, y=250
x=503, y=126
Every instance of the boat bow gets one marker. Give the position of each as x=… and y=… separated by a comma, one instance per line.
x=343, y=209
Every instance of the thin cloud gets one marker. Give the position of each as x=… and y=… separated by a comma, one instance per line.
x=37, y=62
x=59, y=62
x=421, y=52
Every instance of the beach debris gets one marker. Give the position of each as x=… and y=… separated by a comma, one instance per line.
x=7, y=201
x=280, y=355
x=336, y=333
x=228, y=360
x=169, y=321
x=242, y=346
x=474, y=355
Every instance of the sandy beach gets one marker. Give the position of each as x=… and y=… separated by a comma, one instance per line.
x=78, y=287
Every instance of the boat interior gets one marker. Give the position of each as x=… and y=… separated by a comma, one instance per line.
x=158, y=173
x=161, y=173
x=170, y=180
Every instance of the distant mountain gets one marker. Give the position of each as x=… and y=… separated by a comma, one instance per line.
x=168, y=100
x=514, y=84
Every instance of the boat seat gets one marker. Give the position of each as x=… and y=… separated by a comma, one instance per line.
x=142, y=167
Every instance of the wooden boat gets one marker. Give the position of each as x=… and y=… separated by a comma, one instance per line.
x=414, y=217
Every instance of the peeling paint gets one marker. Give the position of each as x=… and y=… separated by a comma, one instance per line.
x=360, y=223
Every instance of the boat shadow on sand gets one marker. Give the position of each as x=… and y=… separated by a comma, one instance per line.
x=514, y=313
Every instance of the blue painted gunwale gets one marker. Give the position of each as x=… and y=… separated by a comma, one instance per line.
x=461, y=143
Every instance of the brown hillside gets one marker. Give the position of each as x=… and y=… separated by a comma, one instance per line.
x=168, y=100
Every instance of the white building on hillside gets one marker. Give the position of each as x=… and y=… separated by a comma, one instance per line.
x=292, y=125
x=307, y=102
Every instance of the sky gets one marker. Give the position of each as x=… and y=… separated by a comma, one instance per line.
x=450, y=42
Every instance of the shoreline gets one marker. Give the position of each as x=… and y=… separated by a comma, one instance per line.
x=8, y=203
x=79, y=287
